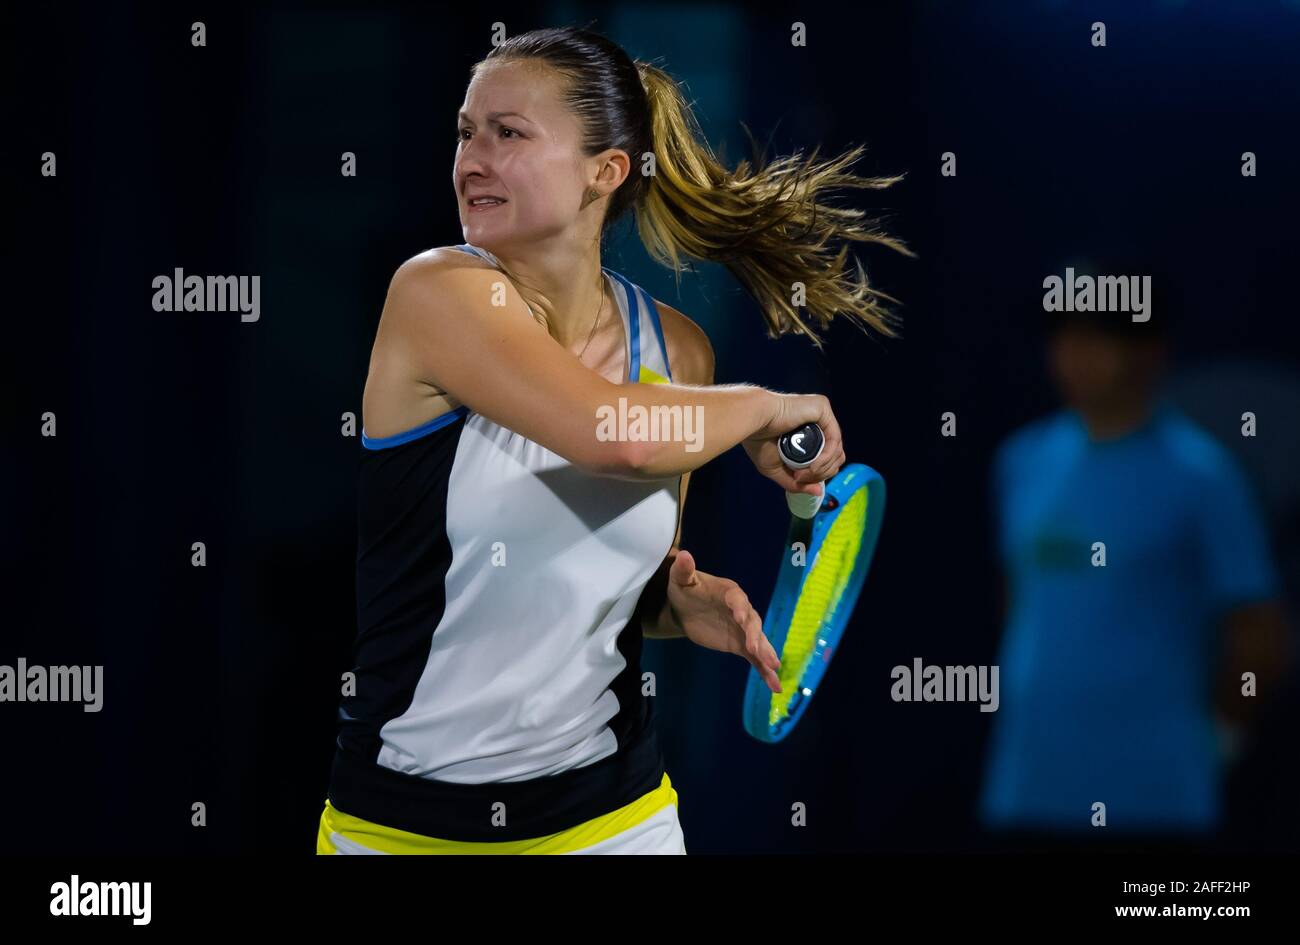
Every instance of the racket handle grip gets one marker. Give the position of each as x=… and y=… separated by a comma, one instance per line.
x=799, y=449
x=803, y=505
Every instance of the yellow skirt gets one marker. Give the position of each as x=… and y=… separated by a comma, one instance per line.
x=647, y=825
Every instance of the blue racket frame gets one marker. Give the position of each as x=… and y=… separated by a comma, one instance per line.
x=789, y=582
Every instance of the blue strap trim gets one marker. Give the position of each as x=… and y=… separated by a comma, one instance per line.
x=424, y=429
x=659, y=328
x=634, y=317
x=634, y=326
x=467, y=248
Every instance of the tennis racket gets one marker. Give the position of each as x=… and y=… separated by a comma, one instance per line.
x=828, y=551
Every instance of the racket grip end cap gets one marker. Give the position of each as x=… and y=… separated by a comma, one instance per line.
x=800, y=447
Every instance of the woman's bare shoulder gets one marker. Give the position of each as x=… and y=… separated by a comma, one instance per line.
x=426, y=279
x=690, y=356
x=440, y=258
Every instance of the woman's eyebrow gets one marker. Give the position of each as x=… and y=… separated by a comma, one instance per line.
x=493, y=116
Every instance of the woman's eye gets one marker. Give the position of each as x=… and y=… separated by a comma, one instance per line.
x=460, y=135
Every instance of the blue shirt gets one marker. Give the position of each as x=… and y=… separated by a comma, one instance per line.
x=1107, y=673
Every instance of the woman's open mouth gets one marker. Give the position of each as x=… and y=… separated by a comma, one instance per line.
x=483, y=204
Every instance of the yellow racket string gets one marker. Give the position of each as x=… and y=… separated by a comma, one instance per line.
x=819, y=595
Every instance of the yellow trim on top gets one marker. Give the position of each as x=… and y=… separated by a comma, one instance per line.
x=391, y=840
x=648, y=376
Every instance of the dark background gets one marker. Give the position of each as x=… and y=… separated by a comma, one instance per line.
x=221, y=683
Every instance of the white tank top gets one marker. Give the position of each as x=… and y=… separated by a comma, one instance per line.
x=495, y=582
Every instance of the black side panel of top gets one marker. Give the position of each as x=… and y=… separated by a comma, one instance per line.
x=403, y=554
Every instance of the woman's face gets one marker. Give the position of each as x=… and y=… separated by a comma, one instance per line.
x=517, y=142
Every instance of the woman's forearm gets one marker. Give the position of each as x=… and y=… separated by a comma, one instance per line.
x=672, y=429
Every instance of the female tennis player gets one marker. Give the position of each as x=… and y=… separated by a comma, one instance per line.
x=510, y=554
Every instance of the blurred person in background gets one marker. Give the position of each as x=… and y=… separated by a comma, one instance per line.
x=1138, y=588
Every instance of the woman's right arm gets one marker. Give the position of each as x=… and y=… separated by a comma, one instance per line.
x=501, y=363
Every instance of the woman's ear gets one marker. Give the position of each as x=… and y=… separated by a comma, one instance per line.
x=613, y=166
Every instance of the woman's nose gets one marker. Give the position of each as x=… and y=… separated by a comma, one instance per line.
x=471, y=166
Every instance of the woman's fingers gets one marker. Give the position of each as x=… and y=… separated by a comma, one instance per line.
x=825, y=468
x=826, y=465
x=770, y=652
x=758, y=650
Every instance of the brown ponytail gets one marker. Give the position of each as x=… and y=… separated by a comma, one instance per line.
x=770, y=224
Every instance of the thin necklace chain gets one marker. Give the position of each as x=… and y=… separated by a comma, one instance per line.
x=600, y=308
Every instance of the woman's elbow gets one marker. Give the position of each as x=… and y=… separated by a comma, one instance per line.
x=619, y=459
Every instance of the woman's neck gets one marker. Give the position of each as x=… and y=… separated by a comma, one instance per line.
x=570, y=285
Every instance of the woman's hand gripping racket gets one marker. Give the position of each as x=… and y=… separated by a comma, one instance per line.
x=828, y=551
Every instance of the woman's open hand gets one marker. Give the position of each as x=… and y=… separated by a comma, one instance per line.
x=715, y=613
